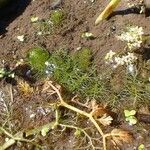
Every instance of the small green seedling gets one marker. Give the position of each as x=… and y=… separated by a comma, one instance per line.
x=47, y=26
x=57, y=17
x=37, y=58
x=45, y=130
x=77, y=133
x=4, y=73
x=130, y=116
x=141, y=147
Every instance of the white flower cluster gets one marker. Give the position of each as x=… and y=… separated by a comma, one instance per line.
x=127, y=60
x=109, y=56
x=133, y=36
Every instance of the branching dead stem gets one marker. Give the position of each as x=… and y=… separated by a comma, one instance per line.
x=82, y=130
x=19, y=136
x=57, y=123
x=81, y=112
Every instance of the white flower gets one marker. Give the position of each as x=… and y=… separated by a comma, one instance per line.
x=131, y=69
x=119, y=61
x=130, y=58
x=20, y=38
x=133, y=36
x=116, y=60
x=109, y=55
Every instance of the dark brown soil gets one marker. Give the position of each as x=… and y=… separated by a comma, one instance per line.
x=80, y=17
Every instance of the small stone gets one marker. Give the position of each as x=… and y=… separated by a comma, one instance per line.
x=20, y=38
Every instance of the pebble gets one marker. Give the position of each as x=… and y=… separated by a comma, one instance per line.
x=55, y=4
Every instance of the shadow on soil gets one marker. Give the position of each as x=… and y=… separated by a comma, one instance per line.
x=10, y=12
x=134, y=10
x=146, y=53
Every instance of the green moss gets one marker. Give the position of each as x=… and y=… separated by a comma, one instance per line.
x=57, y=17
x=37, y=58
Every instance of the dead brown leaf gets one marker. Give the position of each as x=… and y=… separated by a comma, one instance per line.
x=120, y=136
x=98, y=110
x=25, y=88
x=105, y=120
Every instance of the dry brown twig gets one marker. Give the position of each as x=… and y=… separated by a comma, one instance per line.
x=75, y=100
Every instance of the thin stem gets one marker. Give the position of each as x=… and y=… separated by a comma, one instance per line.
x=96, y=125
x=7, y=133
x=75, y=109
x=7, y=144
x=82, y=130
x=57, y=91
x=57, y=119
x=14, y=138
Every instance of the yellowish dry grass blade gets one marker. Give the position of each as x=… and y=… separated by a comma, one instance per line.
x=107, y=11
